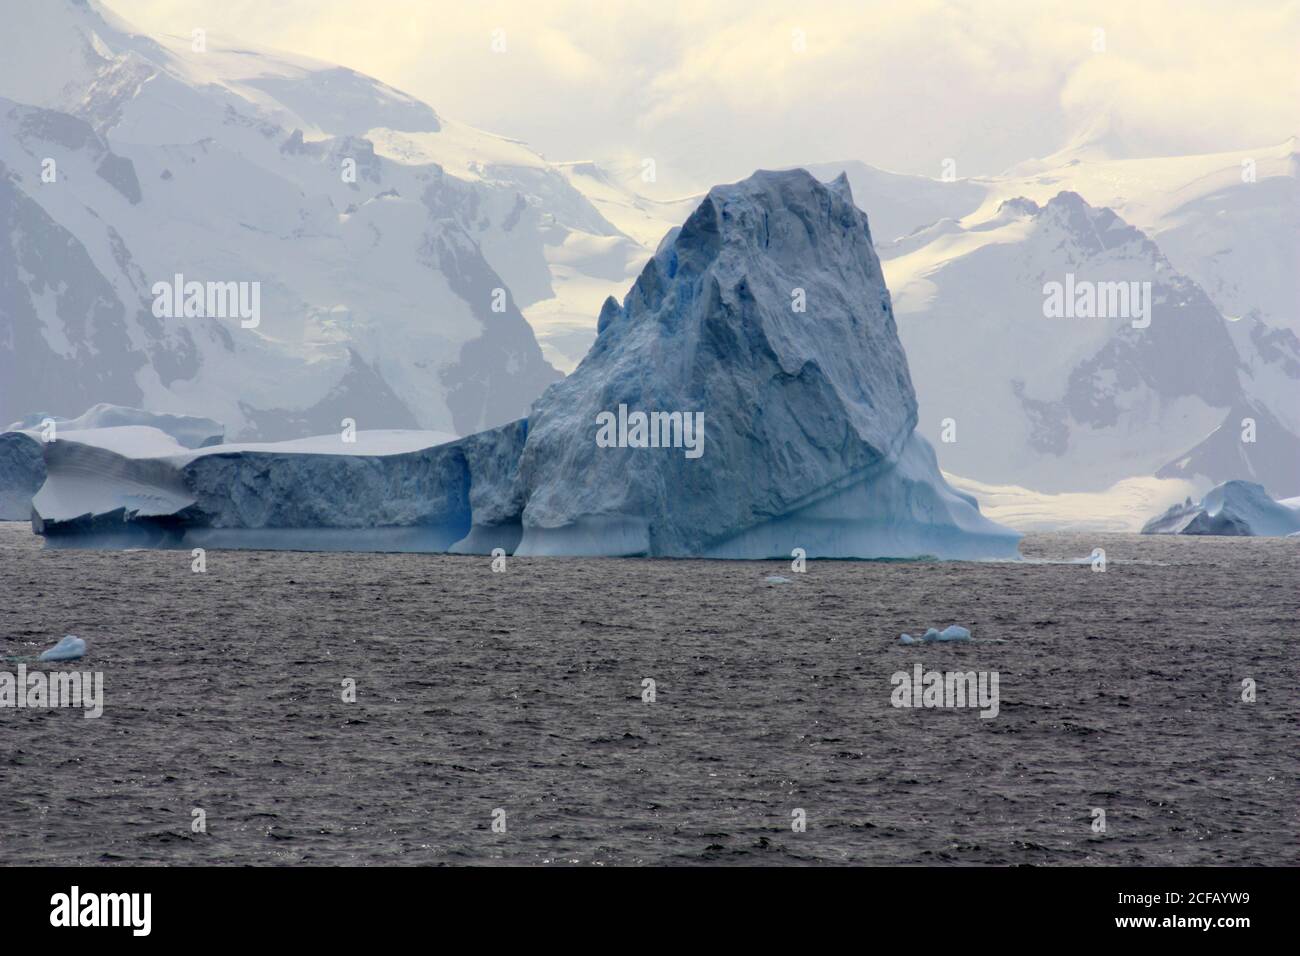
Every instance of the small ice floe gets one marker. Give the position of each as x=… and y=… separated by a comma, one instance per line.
x=953, y=633
x=776, y=579
x=907, y=639
x=71, y=648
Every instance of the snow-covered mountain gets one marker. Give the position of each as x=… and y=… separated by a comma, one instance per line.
x=898, y=204
x=1227, y=220
x=1074, y=402
x=393, y=250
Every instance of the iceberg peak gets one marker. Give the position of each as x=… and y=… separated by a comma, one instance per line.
x=766, y=316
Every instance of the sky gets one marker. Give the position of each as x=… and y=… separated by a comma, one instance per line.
x=712, y=89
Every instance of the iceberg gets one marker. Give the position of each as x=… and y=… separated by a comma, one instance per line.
x=1239, y=508
x=767, y=314
x=70, y=648
x=316, y=494
x=749, y=396
x=954, y=632
x=129, y=431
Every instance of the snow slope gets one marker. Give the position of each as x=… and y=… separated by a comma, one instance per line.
x=1123, y=507
x=1228, y=220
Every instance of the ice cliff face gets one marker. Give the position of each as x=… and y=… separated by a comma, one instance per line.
x=100, y=494
x=22, y=472
x=1240, y=508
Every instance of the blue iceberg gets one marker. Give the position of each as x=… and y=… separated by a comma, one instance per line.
x=749, y=396
x=1236, y=508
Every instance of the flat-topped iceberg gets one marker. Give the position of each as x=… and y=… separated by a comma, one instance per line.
x=1240, y=508
x=131, y=432
x=385, y=491
x=749, y=398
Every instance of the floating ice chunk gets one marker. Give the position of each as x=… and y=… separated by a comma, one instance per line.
x=1232, y=508
x=71, y=648
x=954, y=632
x=776, y=579
x=907, y=639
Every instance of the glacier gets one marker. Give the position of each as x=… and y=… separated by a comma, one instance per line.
x=766, y=313
x=1238, y=508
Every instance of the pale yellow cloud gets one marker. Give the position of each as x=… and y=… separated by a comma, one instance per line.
x=713, y=89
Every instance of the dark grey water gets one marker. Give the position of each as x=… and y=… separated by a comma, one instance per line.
x=522, y=691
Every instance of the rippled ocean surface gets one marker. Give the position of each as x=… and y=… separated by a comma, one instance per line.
x=522, y=692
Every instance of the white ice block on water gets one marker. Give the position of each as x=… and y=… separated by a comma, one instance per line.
x=954, y=632
x=71, y=648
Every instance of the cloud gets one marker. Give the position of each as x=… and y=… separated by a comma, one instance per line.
x=715, y=89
